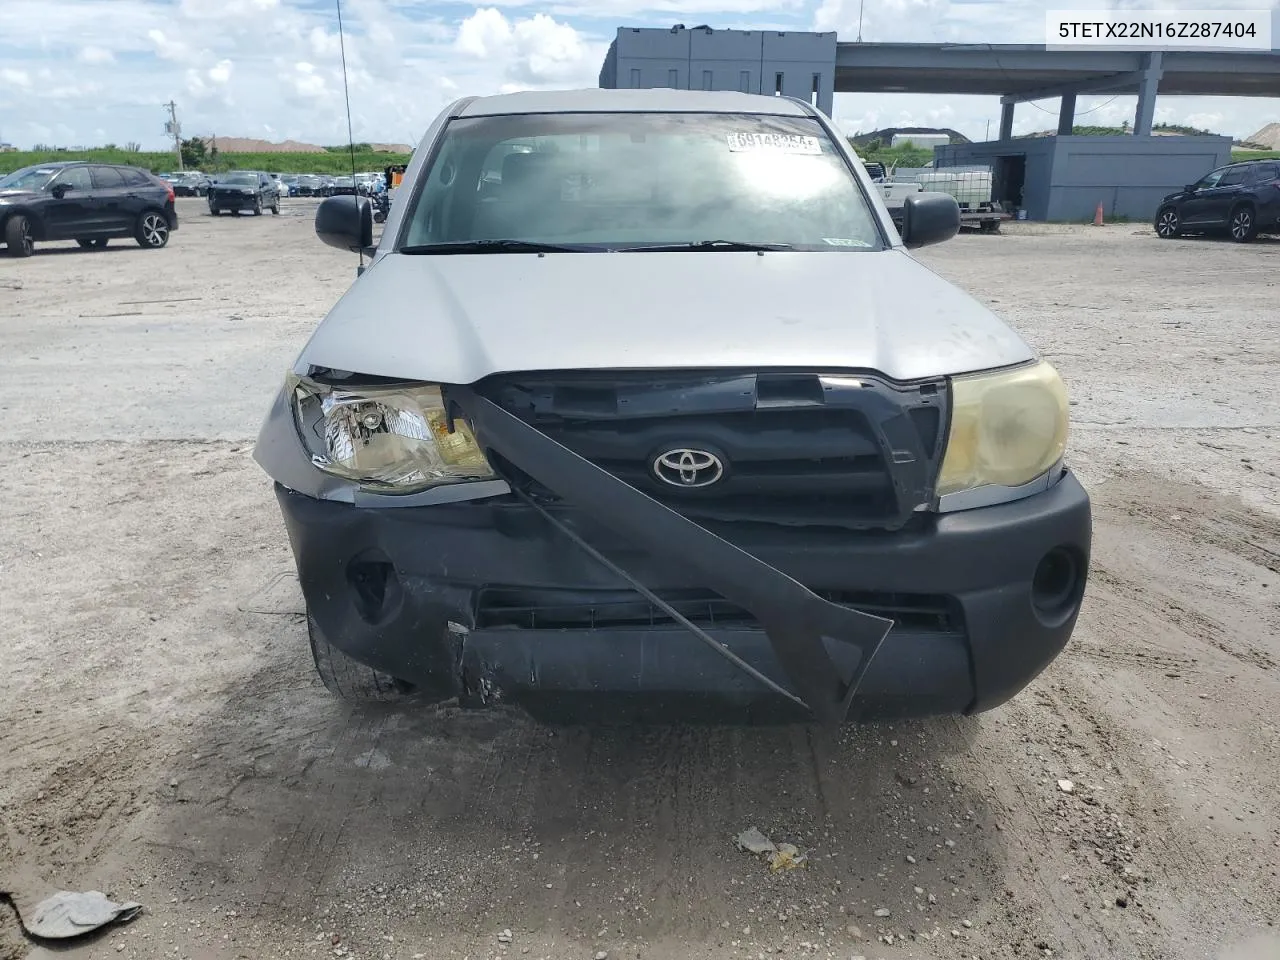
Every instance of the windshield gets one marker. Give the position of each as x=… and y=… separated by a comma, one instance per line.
x=603, y=181
x=28, y=178
x=249, y=178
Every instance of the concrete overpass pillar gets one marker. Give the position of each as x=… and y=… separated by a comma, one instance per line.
x=1067, y=115
x=1147, y=95
x=1006, y=121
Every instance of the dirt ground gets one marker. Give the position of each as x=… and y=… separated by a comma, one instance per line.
x=164, y=739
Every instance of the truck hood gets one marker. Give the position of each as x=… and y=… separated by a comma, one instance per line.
x=459, y=318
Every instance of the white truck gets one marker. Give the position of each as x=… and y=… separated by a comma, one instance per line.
x=894, y=192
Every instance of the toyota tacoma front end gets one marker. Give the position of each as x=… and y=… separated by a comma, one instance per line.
x=663, y=415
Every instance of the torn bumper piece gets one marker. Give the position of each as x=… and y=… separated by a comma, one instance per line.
x=982, y=600
x=797, y=622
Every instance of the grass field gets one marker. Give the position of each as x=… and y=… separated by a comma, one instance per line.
x=333, y=164
x=1254, y=154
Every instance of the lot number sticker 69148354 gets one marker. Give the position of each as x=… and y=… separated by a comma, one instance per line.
x=774, y=142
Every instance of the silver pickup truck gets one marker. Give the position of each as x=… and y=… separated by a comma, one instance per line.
x=662, y=413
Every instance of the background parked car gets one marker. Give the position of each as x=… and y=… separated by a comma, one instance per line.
x=189, y=184
x=244, y=190
x=342, y=186
x=89, y=203
x=1240, y=200
x=310, y=185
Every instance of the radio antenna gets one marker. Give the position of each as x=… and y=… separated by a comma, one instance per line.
x=346, y=94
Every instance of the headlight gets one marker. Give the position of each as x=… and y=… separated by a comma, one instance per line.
x=1007, y=428
x=394, y=439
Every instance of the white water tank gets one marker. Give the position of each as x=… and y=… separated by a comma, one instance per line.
x=967, y=186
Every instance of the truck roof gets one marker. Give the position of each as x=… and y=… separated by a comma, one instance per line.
x=662, y=100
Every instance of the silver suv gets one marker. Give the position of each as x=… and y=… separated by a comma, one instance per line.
x=643, y=404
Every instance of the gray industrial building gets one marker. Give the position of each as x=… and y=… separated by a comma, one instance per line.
x=1066, y=177
x=800, y=65
x=1061, y=177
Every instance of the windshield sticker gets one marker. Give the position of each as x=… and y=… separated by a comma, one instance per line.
x=777, y=142
x=844, y=242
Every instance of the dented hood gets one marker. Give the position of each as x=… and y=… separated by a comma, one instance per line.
x=458, y=318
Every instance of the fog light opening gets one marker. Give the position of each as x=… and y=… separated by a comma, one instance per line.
x=1055, y=589
x=375, y=587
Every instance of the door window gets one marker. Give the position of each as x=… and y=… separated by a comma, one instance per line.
x=1211, y=180
x=1234, y=176
x=134, y=178
x=77, y=178
x=1267, y=172
x=107, y=178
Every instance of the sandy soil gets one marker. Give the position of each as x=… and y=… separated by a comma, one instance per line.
x=165, y=741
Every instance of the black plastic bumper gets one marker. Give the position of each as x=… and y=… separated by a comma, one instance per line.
x=236, y=202
x=402, y=590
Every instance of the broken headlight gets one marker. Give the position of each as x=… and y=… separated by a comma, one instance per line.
x=391, y=438
x=1008, y=428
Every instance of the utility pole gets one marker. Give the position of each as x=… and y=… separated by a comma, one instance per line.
x=175, y=129
x=862, y=4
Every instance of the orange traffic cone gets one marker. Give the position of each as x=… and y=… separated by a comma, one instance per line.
x=1097, y=216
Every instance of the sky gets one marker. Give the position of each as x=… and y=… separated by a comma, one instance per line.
x=89, y=72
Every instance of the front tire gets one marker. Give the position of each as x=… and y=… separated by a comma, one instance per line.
x=275, y=207
x=1168, y=225
x=257, y=206
x=1242, y=224
x=349, y=679
x=152, y=231
x=19, y=237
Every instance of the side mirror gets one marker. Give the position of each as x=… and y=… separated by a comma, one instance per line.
x=1190, y=188
x=929, y=218
x=60, y=190
x=345, y=222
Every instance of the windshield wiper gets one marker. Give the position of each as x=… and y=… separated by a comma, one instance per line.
x=729, y=245
x=494, y=246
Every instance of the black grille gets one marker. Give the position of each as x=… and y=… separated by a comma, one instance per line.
x=796, y=448
x=551, y=609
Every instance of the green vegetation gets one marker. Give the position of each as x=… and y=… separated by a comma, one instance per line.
x=1184, y=130
x=1238, y=155
x=331, y=163
x=1124, y=130
x=904, y=155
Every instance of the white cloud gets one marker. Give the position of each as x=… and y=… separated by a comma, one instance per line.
x=323, y=43
x=11, y=77
x=95, y=56
x=306, y=82
x=168, y=48
x=534, y=51
x=221, y=72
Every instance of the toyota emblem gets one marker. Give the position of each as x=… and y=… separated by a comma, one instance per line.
x=688, y=467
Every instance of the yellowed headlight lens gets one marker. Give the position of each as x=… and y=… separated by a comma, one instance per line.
x=392, y=438
x=1007, y=428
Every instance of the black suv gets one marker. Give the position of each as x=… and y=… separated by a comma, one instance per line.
x=1240, y=199
x=244, y=190
x=86, y=202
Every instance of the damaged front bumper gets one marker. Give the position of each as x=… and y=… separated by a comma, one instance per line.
x=490, y=600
